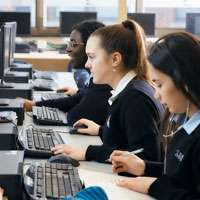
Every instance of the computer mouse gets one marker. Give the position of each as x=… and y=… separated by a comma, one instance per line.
x=61, y=158
x=74, y=130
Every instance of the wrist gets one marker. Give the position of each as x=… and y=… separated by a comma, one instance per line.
x=143, y=166
x=82, y=153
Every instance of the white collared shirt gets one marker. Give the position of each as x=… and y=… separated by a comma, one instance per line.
x=192, y=123
x=121, y=85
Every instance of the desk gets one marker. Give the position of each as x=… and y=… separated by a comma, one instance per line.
x=46, y=61
x=93, y=173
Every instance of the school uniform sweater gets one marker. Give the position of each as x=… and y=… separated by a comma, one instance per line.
x=132, y=123
x=182, y=178
x=90, y=103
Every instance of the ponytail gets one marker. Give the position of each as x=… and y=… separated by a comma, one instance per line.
x=142, y=61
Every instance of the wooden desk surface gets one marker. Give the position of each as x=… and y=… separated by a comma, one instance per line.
x=48, y=60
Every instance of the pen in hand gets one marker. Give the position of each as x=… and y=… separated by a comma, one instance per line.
x=129, y=153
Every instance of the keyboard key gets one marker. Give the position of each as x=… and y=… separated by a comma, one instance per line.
x=50, y=185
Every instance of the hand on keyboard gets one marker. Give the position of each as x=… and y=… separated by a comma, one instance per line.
x=28, y=105
x=68, y=90
x=75, y=153
x=39, y=141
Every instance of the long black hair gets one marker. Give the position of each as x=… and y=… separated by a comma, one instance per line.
x=86, y=28
x=178, y=56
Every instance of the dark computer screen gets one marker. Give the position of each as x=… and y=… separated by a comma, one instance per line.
x=5, y=49
x=13, y=29
x=69, y=19
x=193, y=23
x=146, y=21
x=23, y=20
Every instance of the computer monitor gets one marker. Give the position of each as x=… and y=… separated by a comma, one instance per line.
x=5, y=33
x=193, y=23
x=13, y=26
x=69, y=19
x=146, y=21
x=23, y=20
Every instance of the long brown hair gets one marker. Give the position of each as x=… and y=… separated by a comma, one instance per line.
x=129, y=40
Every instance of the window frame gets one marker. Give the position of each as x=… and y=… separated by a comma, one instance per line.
x=39, y=30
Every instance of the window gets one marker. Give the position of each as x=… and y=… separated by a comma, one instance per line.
x=21, y=6
x=131, y=6
x=107, y=10
x=171, y=13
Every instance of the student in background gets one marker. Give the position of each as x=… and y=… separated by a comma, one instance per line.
x=175, y=72
x=76, y=50
x=119, y=60
x=89, y=102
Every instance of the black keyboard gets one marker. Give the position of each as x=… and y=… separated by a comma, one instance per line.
x=49, y=116
x=39, y=141
x=44, y=85
x=49, y=75
x=52, y=181
x=51, y=96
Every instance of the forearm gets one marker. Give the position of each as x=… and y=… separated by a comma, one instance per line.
x=63, y=104
x=166, y=189
x=98, y=153
x=153, y=169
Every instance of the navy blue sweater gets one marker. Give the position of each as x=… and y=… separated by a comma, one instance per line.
x=132, y=123
x=182, y=178
x=90, y=103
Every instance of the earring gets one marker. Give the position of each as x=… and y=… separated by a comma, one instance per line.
x=186, y=88
x=114, y=69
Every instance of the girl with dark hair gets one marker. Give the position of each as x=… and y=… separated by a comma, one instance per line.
x=119, y=60
x=91, y=101
x=76, y=50
x=175, y=72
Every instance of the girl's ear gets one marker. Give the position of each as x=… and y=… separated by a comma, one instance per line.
x=116, y=59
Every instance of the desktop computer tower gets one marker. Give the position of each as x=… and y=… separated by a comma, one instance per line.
x=11, y=174
x=16, y=77
x=23, y=90
x=22, y=67
x=8, y=136
x=15, y=105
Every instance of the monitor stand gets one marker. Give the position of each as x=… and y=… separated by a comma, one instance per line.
x=5, y=85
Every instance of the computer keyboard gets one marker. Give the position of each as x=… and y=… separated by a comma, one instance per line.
x=44, y=85
x=51, y=96
x=49, y=75
x=51, y=181
x=39, y=141
x=49, y=116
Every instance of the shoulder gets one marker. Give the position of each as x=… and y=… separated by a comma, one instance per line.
x=101, y=87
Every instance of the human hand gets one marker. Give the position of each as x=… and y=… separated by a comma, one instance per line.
x=28, y=105
x=138, y=184
x=76, y=153
x=91, y=127
x=68, y=90
x=1, y=193
x=123, y=161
